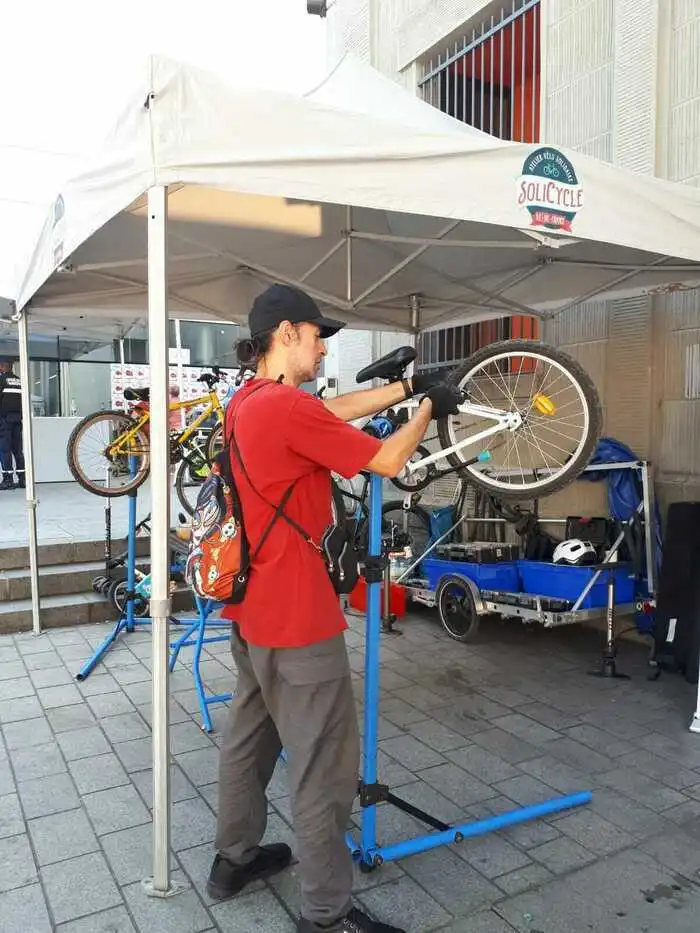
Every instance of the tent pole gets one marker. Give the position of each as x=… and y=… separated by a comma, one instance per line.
x=415, y=314
x=160, y=884
x=28, y=450
x=348, y=253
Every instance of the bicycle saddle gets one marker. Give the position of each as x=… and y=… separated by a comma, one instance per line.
x=210, y=379
x=137, y=395
x=391, y=366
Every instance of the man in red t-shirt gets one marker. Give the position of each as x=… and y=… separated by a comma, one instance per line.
x=294, y=688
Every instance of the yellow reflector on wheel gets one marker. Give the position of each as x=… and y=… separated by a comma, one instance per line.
x=544, y=405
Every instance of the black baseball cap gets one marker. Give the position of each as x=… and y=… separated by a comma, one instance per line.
x=285, y=303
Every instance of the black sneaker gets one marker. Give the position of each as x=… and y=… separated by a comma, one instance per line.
x=227, y=879
x=355, y=921
x=7, y=484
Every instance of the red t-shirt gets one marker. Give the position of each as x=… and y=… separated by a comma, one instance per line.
x=285, y=434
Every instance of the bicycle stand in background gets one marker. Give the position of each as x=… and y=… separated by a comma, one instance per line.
x=128, y=620
x=195, y=629
x=368, y=852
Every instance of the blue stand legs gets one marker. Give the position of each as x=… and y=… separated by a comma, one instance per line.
x=368, y=853
x=127, y=620
x=195, y=634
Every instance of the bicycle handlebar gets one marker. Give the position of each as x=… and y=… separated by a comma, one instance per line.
x=210, y=379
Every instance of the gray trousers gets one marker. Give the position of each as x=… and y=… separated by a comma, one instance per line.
x=300, y=699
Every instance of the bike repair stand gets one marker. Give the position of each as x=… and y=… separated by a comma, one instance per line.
x=607, y=667
x=367, y=852
x=127, y=620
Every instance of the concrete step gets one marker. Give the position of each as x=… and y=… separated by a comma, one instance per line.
x=69, y=609
x=71, y=552
x=56, y=580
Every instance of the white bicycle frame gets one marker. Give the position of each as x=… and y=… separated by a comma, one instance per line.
x=504, y=421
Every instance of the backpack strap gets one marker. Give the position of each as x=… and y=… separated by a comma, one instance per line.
x=278, y=509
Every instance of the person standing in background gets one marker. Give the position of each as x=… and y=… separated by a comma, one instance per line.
x=10, y=427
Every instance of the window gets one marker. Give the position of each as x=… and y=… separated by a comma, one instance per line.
x=490, y=78
x=448, y=347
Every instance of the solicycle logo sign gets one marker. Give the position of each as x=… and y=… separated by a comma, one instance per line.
x=549, y=189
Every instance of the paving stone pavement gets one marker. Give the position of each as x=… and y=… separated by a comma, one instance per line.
x=466, y=732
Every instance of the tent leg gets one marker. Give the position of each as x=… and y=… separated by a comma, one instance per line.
x=695, y=724
x=160, y=884
x=28, y=450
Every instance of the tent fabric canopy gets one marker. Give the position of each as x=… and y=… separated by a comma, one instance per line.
x=207, y=191
x=360, y=192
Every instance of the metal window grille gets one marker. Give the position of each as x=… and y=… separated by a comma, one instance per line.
x=444, y=349
x=491, y=77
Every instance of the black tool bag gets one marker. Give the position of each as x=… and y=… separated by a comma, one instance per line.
x=339, y=549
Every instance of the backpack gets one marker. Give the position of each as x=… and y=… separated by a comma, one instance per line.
x=219, y=559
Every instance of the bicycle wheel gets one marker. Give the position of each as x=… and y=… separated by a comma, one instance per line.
x=560, y=415
x=101, y=470
x=421, y=478
x=215, y=442
x=189, y=479
x=400, y=528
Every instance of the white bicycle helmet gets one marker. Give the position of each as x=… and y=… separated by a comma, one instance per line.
x=575, y=551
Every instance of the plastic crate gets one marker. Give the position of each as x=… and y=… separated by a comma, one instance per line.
x=502, y=576
x=564, y=582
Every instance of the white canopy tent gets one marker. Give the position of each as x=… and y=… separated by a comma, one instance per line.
x=388, y=212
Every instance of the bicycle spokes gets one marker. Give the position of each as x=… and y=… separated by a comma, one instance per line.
x=550, y=418
x=109, y=453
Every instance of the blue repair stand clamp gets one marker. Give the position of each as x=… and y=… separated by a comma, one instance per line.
x=367, y=852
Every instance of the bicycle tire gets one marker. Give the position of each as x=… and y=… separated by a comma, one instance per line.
x=540, y=487
x=419, y=514
x=215, y=442
x=431, y=474
x=182, y=474
x=84, y=481
x=117, y=596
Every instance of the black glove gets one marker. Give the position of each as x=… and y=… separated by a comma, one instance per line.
x=445, y=398
x=422, y=382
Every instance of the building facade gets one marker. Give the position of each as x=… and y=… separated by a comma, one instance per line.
x=616, y=79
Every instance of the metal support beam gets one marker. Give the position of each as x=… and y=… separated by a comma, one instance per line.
x=602, y=288
x=415, y=313
x=274, y=274
x=404, y=262
x=323, y=260
x=28, y=451
x=532, y=244
x=348, y=253
x=158, y=341
x=636, y=268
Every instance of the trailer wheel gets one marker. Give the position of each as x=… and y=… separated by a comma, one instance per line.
x=455, y=603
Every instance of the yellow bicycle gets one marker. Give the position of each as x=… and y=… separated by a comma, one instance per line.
x=109, y=451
